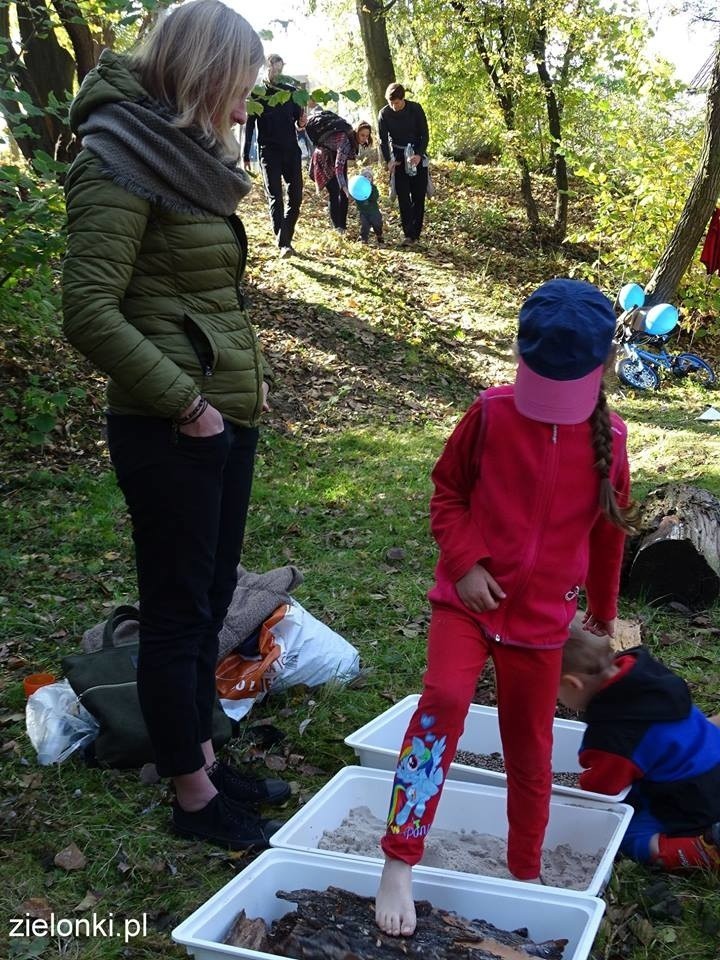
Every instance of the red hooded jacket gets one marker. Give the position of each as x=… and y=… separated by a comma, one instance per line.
x=521, y=497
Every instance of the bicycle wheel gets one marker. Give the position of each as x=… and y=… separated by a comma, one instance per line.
x=636, y=374
x=690, y=366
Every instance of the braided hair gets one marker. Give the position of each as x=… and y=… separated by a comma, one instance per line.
x=623, y=517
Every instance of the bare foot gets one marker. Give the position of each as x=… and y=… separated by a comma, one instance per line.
x=394, y=906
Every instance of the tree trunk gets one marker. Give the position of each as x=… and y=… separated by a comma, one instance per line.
x=555, y=129
x=531, y=209
x=380, y=69
x=45, y=68
x=699, y=205
x=84, y=47
x=677, y=554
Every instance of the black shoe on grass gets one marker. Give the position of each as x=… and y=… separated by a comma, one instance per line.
x=241, y=789
x=226, y=824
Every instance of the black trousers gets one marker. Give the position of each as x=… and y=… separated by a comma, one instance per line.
x=337, y=205
x=278, y=165
x=188, y=500
x=411, y=193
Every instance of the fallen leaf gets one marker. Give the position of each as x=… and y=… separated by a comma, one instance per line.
x=88, y=902
x=275, y=763
x=36, y=907
x=308, y=770
x=11, y=718
x=395, y=553
x=302, y=727
x=642, y=929
x=71, y=858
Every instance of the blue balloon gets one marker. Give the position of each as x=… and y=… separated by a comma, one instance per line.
x=632, y=295
x=661, y=319
x=360, y=188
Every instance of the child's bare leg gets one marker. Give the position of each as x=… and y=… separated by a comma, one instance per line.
x=715, y=719
x=394, y=906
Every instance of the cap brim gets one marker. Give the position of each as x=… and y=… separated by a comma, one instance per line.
x=556, y=401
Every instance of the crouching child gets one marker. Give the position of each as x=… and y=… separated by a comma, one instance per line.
x=369, y=210
x=644, y=731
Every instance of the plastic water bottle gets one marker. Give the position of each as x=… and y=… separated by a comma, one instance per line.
x=410, y=168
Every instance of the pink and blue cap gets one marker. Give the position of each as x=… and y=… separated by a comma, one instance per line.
x=565, y=334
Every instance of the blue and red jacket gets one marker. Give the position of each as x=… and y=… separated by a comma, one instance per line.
x=643, y=729
x=521, y=498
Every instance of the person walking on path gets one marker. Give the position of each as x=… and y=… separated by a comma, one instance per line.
x=279, y=154
x=513, y=559
x=329, y=167
x=150, y=291
x=401, y=125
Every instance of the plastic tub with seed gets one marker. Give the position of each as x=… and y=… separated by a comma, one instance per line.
x=378, y=742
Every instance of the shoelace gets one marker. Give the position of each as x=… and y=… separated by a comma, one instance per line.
x=238, y=814
x=226, y=773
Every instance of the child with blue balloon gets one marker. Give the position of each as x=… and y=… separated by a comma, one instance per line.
x=366, y=196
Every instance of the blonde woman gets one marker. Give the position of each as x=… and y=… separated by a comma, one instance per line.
x=150, y=297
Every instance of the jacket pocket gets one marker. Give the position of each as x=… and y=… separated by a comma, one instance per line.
x=202, y=343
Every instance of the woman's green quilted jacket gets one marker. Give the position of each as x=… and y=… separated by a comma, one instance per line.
x=152, y=297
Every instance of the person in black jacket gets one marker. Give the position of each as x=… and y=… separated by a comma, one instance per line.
x=644, y=732
x=401, y=123
x=279, y=154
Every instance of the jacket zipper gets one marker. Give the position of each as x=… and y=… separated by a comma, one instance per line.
x=192, y=329
x=241, y=304
x=539, y=523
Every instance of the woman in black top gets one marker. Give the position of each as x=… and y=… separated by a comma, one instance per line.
x=400, y=123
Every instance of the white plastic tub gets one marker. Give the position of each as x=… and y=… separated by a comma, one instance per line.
x=547, y=913
x=586, y=826
x=378, y=743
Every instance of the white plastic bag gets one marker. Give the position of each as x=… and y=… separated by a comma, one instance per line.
x=57, y=723
x=312, y=653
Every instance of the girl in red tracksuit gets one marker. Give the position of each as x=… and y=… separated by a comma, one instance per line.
x=529, y=506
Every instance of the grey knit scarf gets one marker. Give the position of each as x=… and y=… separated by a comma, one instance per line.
x=143, y=152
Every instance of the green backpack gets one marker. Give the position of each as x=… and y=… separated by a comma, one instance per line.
x=106, y=685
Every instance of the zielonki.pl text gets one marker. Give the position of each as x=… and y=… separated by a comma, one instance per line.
x=107, y=926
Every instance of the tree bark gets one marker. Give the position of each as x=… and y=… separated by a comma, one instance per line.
x=84, y=47
x=43, y=67
x=676, y=557
x=380, y=70
x=555, y=129
x=698, y=208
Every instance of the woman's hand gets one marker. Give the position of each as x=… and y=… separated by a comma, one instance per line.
x=265, y=391
x=208, y=425
x=597, y=626
x=415, y=159
x=478, y=590
x=391, y=165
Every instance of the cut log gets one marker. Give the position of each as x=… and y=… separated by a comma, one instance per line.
x=676, y=557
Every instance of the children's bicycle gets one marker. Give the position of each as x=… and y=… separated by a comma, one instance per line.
x=637, y=329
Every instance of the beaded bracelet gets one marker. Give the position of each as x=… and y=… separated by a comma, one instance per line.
x=197, y=411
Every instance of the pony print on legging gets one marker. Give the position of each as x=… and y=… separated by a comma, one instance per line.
x=418, y=777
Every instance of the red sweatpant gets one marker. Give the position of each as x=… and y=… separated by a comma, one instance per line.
x=527, y=684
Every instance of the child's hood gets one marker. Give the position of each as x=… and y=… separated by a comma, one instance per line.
x=647, y=692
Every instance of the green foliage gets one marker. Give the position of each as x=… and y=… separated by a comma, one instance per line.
x=31, y=242
x=637, y=170
x=30, y=415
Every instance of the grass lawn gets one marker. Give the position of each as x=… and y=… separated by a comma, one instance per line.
x=376, y=353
